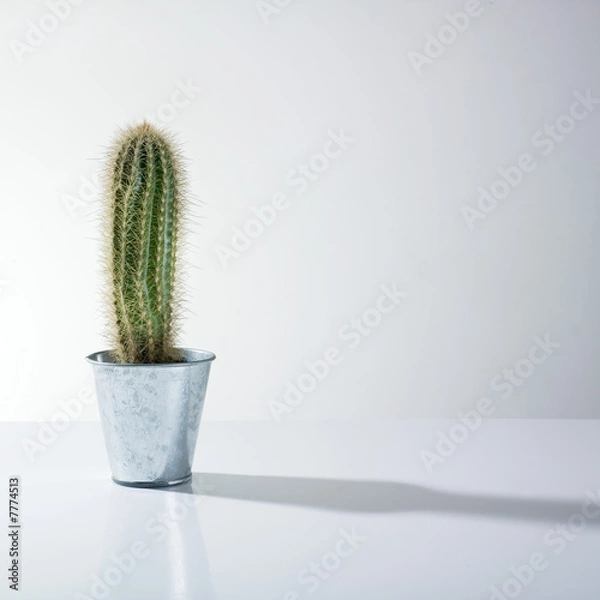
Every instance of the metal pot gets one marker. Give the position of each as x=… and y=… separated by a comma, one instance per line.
x=150, y=416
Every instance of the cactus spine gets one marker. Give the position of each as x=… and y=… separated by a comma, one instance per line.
x=144, y=189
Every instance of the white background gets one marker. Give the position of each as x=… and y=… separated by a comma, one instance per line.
x=387, y=210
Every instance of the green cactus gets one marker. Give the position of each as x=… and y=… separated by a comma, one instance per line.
x=144, y=188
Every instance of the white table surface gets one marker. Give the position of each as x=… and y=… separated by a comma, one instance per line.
x=269, y=505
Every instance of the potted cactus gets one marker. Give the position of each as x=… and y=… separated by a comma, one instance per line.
x=150, y=392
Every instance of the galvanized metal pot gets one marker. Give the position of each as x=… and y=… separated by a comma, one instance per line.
x=150, y=416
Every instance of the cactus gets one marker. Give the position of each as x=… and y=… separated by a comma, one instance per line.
x=144, y=188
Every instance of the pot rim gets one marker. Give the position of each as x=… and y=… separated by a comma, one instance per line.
x=95, y=359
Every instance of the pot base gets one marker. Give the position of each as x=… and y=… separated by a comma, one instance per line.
x=153, y=484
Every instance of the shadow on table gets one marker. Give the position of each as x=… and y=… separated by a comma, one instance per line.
x=382, y=497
